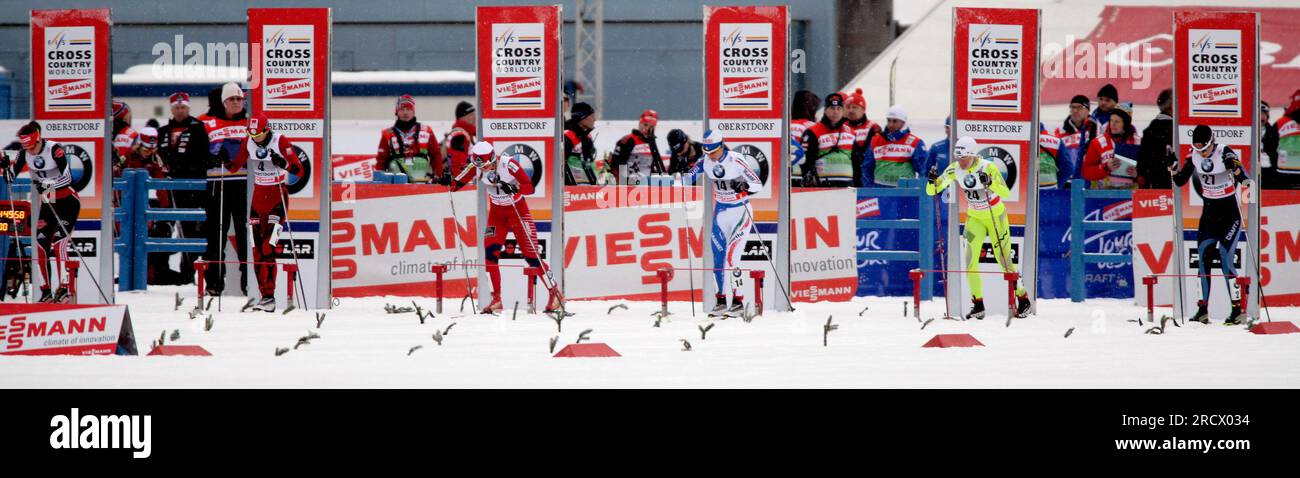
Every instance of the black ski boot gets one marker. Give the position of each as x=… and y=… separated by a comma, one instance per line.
x=46, y=296
x=1234, y=318
x=1022, y=306
x=737, y=307
x=1202, y=313
x=61, y=296
x=267, y=304
x=976, y=310
x=719, y=310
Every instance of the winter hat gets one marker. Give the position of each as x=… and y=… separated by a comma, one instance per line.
x=948, y=121
x=856, y=98
x=966, y=146
x=896, y=112
x=120, y=110
x=480, y=152
x=1108, y=91
x=581, y=111
x=712, y=141
x=463, y=108
x=258, y=125
x=1125, y=112
x=179, y=98
x=835, y=99
x=408, y=102
x=1083, y=100
x=676, y=138
x=149, y=138
x=1295, y=103
x=1165, y=95
x=650, y=116
x=231, y=90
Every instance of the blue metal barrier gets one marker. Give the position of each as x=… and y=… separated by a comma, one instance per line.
x=924, y=225
x=1079, y=229
x=134, y=214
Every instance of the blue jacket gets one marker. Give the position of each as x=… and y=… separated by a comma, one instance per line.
x=937, y=158
x=919, y=160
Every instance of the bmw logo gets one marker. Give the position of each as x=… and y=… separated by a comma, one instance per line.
x=1207, y=165
x=719, y=171
x=1005, y=162
x=753, y=152
x=39, y=162
x=297, y=183
x=968, y=181
x=80, y=166
x=533, y=166
x=261, y=153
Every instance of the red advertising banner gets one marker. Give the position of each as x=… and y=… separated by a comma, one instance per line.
x=995, y=52
x=1109, y=52
x=71, y=63
x=519, y=62
x=289, y=50
x=1214, y=78
x=65, y=329
x=745, y=61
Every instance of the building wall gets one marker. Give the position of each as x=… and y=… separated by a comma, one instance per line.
x=653, y=50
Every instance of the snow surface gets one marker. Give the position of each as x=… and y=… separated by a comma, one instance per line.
x=362, y=346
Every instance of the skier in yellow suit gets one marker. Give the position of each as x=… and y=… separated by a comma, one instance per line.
x=984, y=187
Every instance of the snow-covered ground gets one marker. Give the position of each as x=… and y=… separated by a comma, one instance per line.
x=363, y=346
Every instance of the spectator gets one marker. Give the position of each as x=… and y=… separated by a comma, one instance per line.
x=227, y=205
x=460, y=139
x=1106, y=164
x=895, y=154
x=937, y=158
x=1107, y=98
x=1053, y=173
x=183, y=145
x=864, y=130
x=803, y=114
x=1270, y=178
x=410, y=148
x=636, y=156
x=1288, y=140
x=684, y=152
x=828, y=145
x=1157, y=150
x=1077, y=132
x=145, y=156
x=579, y=152
x=124, y=137
x=571, y=90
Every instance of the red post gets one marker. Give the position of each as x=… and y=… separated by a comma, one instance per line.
x=1150, y=282
x=291, y=270
x=665, y=275
x=758, y=290
x=199, y=268
x=916, y=275
x=72, y=267
x=533, y=273
x=1011, y=291
x=438, y=270
x=1243, y=283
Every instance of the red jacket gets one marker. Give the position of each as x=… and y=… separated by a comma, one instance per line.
x=458, y=142
x=394, y=146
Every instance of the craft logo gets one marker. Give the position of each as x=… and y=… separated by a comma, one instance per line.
x=70, y=68
x=746, y=66
x=1214, y=71
x=288, y=67
x=518, y=66
x=994, y=64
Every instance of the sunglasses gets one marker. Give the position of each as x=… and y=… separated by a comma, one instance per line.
x=257, y=136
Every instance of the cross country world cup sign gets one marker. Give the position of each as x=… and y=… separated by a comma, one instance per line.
x=1215, y=72
x=69, y=68
x=288, y=66
x=995, y=63
x=746, y=66
x=518, y=66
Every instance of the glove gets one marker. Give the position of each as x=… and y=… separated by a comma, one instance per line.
x=985, y=179
x=508, y=188
x=493, y=177
x=223, y=157
x=934, y=174
x=740, y=186
x=279, y=160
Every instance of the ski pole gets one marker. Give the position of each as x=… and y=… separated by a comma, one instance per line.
x=68, y=237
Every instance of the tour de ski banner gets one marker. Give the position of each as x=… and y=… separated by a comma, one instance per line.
x=746, y=56
x=519, y=67
x=290, y=58
x=1216, y=83
x=995, y=101
x=71, y=64
x=619, y=237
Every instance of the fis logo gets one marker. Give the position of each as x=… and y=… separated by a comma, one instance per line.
x=128, y=432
